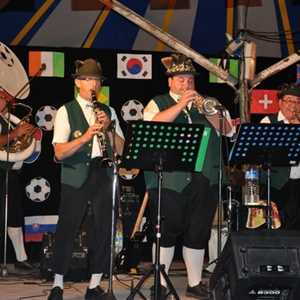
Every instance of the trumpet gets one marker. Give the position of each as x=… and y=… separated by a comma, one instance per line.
x=208, y=106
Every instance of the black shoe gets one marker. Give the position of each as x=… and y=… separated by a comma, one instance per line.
x=24, y=265
x=94, y=294
x=56, y=294
x=162, y=292
x=198, y=291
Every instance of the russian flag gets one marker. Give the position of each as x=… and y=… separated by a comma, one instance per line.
x=36, y=226
x=54, y=61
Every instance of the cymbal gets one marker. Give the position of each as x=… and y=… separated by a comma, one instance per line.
x=13, y=76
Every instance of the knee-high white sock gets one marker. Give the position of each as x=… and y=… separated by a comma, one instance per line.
x=16, y=236
x=58, y=281
x=193, y=259
x=166, y=257
x=95, y=280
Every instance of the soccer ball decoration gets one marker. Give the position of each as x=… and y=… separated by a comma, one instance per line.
x=38, y=189
x=132, y=110
x=44, y=118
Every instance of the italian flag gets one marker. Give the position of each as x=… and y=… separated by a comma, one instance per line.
x=54, y=62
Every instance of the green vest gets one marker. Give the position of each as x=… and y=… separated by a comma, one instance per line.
x=75, y=168
x=178, y=180
x=4, y=128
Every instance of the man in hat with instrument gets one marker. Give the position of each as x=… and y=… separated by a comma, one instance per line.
x=188, y=199
x=83, y=136
x=286, y=181
x=15, y=217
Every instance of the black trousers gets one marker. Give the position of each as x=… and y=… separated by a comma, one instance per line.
x=288, y=200
x=188, y=214
x=98, y=191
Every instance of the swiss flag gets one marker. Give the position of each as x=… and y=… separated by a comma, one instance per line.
x=264, y=102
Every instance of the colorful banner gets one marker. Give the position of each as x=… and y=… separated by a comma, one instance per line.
x=36, y=226
x=231, y=65
x=264, y=102
x=53, y=61
x=134, y=66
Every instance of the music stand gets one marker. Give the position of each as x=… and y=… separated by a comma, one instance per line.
x=270, y=145
x=160, y=146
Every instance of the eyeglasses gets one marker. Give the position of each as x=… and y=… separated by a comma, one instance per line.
x=291, y=102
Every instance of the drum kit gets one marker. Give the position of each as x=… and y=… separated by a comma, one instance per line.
x=240, y=178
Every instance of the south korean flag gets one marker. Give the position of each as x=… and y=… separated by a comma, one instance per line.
x=134, y=66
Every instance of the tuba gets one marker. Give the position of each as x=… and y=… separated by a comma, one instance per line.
x=23, y=146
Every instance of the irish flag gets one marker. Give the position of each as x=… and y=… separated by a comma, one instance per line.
x=54, y=62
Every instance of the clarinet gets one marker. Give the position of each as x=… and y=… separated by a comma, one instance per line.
x=101, y=135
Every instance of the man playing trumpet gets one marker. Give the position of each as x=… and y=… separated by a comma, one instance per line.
x=188, y=199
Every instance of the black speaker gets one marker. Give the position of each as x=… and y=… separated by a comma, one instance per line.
x=258, y=265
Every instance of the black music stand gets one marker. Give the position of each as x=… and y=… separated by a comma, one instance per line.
x=159, y=146
x=268, y=145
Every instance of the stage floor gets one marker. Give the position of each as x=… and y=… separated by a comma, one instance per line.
x=30, y=286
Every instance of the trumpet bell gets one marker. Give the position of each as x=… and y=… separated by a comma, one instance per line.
x=208, y=106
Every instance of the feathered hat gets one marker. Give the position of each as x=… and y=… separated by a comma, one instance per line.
x=178, y=64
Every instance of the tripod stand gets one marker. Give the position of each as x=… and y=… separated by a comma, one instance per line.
x=157, y=268
x=149, y=146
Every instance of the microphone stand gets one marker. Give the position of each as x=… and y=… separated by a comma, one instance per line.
x=109, y=295
x=9, y=105
x=4, y=271
x=220, y=179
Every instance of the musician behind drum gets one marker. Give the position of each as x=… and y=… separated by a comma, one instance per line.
x=189, y=200
x=15, y=217
x=285, y=182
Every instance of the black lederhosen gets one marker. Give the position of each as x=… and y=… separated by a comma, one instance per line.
x=188, y=214
x=98, y=190
x=288, y=200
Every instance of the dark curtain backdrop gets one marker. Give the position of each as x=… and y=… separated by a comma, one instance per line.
x=56, y=91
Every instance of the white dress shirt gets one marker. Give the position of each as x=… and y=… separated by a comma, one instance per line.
x=62, y=130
